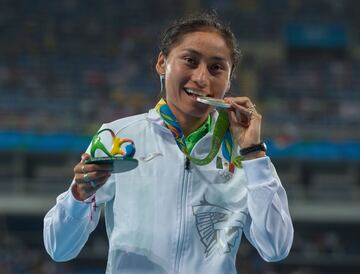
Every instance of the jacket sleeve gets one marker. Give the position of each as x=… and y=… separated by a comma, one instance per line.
x=269, y=227
x=68, y=224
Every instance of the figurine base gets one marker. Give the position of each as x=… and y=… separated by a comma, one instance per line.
x=120, y=164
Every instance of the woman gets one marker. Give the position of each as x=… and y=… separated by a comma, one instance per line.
x=172, y=215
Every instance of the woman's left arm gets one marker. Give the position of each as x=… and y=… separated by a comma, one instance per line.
x=269, y=227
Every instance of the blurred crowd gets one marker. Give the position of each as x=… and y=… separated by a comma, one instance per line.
x=68, y=66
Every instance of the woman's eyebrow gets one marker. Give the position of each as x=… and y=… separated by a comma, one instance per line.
x=192, y=51
x=195, y=52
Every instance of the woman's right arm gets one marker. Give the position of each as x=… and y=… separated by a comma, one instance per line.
x=68, y=224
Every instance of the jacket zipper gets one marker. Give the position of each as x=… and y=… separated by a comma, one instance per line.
x=183, y=199
x=187, y=164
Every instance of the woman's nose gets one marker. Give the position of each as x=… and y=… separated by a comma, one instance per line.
x=200, y=75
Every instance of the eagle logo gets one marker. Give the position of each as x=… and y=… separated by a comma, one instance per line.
x=218, y=227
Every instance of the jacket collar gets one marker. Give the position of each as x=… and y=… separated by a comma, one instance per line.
x=154, y=117
x=202, y=147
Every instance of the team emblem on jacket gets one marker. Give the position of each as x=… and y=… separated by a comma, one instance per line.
x=218, y=227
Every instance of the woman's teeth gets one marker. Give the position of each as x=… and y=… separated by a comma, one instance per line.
x=194, y=92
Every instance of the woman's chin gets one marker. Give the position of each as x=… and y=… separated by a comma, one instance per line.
x=198, y=113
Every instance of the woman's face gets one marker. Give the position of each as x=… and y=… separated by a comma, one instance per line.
x=200, y=64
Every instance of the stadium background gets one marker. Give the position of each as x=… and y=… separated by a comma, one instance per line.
x=67, y=66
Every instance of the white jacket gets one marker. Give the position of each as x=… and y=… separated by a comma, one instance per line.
x=166, y=217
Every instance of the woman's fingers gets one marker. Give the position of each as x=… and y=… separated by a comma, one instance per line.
x=86, y=178
x=244, y=110
x=90, y=182
x=84, y=157
x=86, y=168
x=239, y=113
x=242, y=101
x=245, y=121
x=90, y=177
x=239, y=118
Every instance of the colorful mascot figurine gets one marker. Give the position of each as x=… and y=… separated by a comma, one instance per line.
x=121, y=163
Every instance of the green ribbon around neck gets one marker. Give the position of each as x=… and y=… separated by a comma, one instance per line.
x=221, y=127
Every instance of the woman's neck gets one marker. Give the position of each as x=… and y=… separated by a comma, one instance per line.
x=188, y=126
x=187, y=122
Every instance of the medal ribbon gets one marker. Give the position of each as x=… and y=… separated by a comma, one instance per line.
x=221, y=131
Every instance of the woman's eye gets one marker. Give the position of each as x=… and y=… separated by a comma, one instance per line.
x=190, y=60
x=217, y=67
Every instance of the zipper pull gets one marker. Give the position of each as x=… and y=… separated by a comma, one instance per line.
x=187, y=163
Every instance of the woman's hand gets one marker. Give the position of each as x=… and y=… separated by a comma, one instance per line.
x=89, y=178
x=245, y=124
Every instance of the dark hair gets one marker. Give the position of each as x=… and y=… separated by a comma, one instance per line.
x=205, y=21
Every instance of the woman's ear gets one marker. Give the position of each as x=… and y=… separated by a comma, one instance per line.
x=160, y=64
